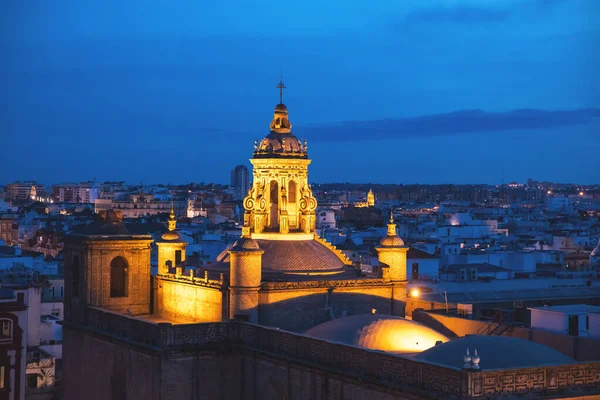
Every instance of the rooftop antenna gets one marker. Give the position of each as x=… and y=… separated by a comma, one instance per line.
x=281, y=86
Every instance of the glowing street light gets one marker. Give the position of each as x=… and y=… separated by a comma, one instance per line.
x=414, y=293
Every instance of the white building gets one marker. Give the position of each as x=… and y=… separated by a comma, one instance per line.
x=421, y=265
x=325, y=218
x=559, y=203
x=573, y=320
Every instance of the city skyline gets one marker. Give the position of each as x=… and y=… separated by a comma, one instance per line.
x=90, y=89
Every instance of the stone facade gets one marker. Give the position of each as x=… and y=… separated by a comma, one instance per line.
x=88, y=263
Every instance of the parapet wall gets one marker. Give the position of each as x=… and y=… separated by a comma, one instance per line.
x=189, y=299
x=257, y=346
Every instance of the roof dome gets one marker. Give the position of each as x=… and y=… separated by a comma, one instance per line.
x=172, y=236
x=495, y=352
x=291, y=256
x=280, y=142
x=245, y=244
x=379, y=332
x=391, y=241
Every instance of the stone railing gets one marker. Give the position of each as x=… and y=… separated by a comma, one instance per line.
x=340, y=254
x=324, y=284
x=202, y=280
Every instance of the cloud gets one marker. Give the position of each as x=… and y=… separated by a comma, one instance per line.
x=459, y=122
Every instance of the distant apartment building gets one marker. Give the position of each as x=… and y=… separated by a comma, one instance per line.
x=30, y=338
x=24, y=190
x=7, y=232
x=84, y=192
x=240, y=182
x=140, y=205
x=555, y=203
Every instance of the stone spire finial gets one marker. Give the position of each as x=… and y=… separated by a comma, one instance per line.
x=475, y=360
x=391, y=226
x=467, y=360
x=172, y=220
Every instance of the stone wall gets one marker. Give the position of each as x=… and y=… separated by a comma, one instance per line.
x=298, y=306
x=185, y=300
x=116, y=357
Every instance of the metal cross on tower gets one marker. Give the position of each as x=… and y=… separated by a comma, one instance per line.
x=281, y=86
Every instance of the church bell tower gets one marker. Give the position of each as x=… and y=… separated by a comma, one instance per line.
x=280, y=199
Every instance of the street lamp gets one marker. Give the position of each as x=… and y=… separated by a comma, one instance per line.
x=414, y=293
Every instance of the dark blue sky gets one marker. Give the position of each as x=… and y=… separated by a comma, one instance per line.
x=389, y=91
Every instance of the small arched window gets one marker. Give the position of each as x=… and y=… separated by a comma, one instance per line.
x=75, y=277
x=118, y=277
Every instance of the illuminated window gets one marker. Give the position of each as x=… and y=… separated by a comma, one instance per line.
x=118, y=277
x=6, y=335
x=2, y=377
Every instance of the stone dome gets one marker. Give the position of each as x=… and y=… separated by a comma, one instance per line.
x=245, y=244
x=280, y=142
x=391, y=241
x=496, y=352
x=379, y=332
x=292, y=257
x=172, y=236
x=280, y=145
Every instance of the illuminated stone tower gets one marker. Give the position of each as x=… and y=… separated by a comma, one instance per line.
x=392, y=254
x=280, y=199
x=171, y=248
x=106, y=266
x=244, y=277
x=370, y=198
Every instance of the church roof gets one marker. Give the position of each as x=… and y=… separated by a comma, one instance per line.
x=303, y=255
x=295, y=256
x=379, y=332
x=496, y=352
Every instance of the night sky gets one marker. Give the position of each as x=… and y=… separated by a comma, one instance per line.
x=436, y=91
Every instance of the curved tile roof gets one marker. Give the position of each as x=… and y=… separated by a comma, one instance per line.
x=295, y=256
x=496, y=352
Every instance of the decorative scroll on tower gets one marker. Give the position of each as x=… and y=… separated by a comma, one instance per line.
x=280, y=199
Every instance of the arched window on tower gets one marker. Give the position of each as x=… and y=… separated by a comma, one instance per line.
x=292, y=192
x=118, y=277
x=75, y=277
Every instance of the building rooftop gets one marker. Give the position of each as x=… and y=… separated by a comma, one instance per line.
x=571, y=309
x=496, y=352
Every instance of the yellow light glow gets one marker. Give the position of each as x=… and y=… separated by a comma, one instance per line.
x=414, y=293
x=549, y=191
x=581, y=193
x=398, y=336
